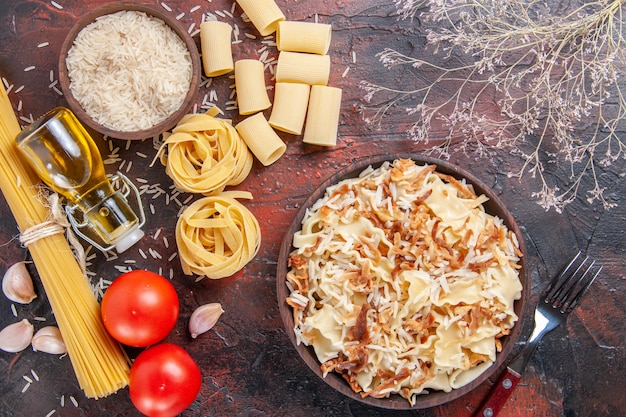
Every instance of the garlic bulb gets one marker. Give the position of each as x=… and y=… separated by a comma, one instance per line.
x=17, y=284
x=17, y=336
x=204, y=318
x=49, y=340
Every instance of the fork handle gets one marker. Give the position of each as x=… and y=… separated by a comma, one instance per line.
x=500, y=392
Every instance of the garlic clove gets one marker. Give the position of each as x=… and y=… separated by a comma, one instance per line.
x=17, y=336
x=204, y=318
x=49, y=340
x=17, y=284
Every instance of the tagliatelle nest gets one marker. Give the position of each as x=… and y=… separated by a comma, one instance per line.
x=402, y=283
x=217, y=235
x=205, y=154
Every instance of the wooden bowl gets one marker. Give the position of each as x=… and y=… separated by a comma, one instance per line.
x=494, y=207
x=155, y=12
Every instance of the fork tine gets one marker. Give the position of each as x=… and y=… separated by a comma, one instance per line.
x=556, y=286
x=573, y=302
x=568, y=287
x=564, y=291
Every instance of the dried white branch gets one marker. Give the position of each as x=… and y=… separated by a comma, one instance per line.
x=552, y=71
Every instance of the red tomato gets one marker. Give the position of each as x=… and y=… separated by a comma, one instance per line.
x=140, y=308
x=164, y=380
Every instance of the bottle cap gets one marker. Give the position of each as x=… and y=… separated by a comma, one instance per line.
x=128, y=239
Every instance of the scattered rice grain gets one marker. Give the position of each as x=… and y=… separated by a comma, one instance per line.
x=43, y=44
x=30, y=68
x=110, y=256
x=13, y=310
x=73, y=400
x=194, y=9
x=34, y=374
x=166, y=7
x=345, y=72
x=56, y=5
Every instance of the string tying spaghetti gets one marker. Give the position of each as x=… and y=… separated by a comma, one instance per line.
x=58, y=224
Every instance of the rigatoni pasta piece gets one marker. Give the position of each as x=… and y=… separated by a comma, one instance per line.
x=217, y=54
x=323, y=116
x=261, y=139
x=307, y=37
x=298, y=67
x=290, y=104
x=264, y=14
x=250, y=84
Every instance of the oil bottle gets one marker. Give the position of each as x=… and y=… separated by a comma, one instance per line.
x=66, y=158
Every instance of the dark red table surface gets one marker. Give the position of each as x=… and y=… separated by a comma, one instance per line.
x=248, y=363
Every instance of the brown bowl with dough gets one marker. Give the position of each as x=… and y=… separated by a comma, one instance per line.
x=401, y=281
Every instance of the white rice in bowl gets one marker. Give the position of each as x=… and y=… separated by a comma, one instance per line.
x=129, y=71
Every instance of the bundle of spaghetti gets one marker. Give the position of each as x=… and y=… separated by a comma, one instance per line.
x=100, y=364
x=217, y=235
x=205, y=154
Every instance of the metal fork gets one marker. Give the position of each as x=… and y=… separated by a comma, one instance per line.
x=559, y=300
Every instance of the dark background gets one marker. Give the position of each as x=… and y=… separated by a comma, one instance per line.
x=249, y=366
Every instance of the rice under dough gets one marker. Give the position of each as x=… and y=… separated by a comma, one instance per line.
x=402, y=283
x=129, y=71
